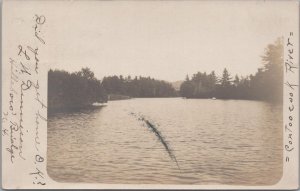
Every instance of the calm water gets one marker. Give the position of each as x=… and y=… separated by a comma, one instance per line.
x=168, y=141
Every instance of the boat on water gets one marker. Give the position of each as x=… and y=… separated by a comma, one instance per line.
x=98, y=104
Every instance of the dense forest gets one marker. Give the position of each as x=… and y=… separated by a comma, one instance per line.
x=80, y=89
x=266, y=84
x=138, y=86
x=74, y=90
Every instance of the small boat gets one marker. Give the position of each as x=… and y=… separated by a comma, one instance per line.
x=213, y=98
x=98, y=104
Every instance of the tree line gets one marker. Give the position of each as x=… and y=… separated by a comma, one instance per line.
x=80, y=89
x=138, y=86
x=266, y=84
x=74, y=90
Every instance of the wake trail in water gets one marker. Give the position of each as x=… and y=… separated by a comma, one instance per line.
x=158, y=134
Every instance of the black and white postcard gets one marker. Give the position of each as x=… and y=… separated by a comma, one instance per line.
x=150, y=94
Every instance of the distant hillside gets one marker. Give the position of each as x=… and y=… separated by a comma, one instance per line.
x=176, y=85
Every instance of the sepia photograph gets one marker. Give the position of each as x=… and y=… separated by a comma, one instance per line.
x=150, y=94
x=163, y=95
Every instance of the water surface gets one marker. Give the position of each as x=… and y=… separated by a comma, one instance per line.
x=168, y=141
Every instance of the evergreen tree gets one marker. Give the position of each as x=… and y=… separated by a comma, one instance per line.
x=225, y=80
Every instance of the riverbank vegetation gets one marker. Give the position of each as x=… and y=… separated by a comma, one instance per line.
x=81, y=89
x=266, y=84
x=74, y=90
x=138, y=86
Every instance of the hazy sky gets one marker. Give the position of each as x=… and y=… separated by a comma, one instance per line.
x=163, y=39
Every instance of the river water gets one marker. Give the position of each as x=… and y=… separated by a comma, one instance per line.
x=168, y=141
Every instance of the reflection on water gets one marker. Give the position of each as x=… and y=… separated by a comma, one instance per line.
x=168, y=141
